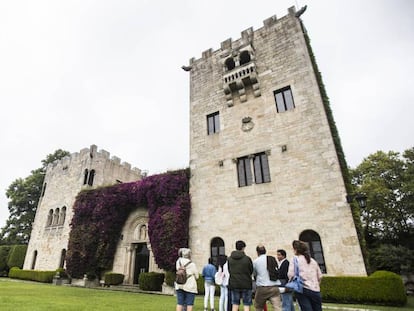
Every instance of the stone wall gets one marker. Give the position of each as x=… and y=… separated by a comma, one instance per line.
x=306, y=191
x=64, y=179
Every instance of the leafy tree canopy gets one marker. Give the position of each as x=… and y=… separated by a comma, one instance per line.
x=388, y=181
x=24, y=196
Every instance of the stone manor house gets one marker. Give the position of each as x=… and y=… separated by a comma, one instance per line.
x=264, y=158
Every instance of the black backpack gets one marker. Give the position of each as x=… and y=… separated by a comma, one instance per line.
x=273, y=268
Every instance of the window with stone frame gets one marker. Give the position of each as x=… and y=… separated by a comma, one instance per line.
x=244, y=172
x=260, y=165
x=62, y=216
x=91, y=177
x=284, y=99
x=213, y=123
x=49, y=220
x=217, y=250
x=261, y=168
x=313, y=240
x=88, y=177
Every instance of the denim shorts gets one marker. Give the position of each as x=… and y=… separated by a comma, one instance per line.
x=244, y=294
x=185, y=298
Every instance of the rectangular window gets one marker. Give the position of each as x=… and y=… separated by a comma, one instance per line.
x=213, y=123
x=244, y=172
x=284, y=99
x=260, y=168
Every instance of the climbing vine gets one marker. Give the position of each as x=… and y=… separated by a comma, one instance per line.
x=338, y=146
x=100, y=214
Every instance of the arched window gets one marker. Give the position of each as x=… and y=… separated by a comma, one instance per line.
x=62, y=215
x=85, y=176
x=217, y=249
x=62, y=258
x=34, y=260
x=91, y=176
x=244, y=57
x=49, y=218
x=230, y=64
x=55, y=217
x=315, y=247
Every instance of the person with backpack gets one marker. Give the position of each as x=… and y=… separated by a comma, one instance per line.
x=208, y=273
x=186, y=280
x=265, y=270
x=223, y=271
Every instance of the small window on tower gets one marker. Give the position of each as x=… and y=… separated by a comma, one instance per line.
x=91, y=177
x=284, y=99
x=244, y=57
x=230, y=64
x=213, y=123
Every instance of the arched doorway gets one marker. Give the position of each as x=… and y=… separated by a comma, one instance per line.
x=141, y=260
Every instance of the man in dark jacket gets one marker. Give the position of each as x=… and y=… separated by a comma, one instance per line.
x=287, y=299
x=241, y=269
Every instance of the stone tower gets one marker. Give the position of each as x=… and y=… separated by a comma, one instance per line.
x=262, y=155
x=64, y=179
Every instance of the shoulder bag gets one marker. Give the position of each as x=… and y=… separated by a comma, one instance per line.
x=296, y=282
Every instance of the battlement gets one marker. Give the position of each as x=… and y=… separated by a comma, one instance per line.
x=90, y=154
x=246, y=38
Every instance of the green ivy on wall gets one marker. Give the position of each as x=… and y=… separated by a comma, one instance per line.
x=338, y=146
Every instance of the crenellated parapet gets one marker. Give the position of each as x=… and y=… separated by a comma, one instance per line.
x=89, y=156
x=65, y=178
x=234, y=66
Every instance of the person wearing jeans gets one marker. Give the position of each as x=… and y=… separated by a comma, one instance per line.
x=310, y=299
x=287, y=296
x=208, y=273
x=224, y=290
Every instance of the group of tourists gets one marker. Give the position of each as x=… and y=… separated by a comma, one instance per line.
x=243, y=280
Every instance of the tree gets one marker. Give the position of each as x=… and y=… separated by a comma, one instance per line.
x=24, y=197
x=388, y=181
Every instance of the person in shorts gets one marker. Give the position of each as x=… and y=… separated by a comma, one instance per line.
x=241, y=269
x=186, y=292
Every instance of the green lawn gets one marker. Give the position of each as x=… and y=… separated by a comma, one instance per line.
x=25, y=296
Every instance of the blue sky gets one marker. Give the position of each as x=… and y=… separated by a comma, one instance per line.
x=105, y=72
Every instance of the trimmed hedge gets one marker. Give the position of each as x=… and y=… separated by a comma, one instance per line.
x=381, y=288
x=111, y=278
x=151, y=281
x=16, y=256
x=32, y=275
x=4, y=254
x=169, y=278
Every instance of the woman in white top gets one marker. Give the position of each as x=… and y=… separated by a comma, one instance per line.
x=224, y=292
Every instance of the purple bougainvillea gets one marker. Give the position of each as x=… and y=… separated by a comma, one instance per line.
x=100, y=214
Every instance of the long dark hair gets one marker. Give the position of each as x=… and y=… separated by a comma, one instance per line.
x=301, y=248
x=222, y=259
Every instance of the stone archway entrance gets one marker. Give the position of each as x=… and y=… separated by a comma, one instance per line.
x=141, y=260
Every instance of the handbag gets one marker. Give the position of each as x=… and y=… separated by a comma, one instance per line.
x=218, y=277
x=296, y=282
